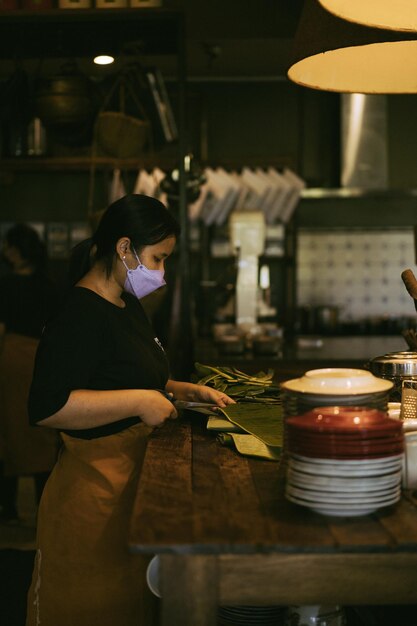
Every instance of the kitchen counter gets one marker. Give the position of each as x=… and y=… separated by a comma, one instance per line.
x=226, y=535
x=305, y=352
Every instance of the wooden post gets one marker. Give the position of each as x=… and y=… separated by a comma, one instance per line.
x=189, y=590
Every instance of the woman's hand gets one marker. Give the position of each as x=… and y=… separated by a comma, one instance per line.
x=198, y=393
x=203, y=393
x=155, y=408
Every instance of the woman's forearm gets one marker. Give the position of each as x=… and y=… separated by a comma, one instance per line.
x=86, y=408
x=181, y=390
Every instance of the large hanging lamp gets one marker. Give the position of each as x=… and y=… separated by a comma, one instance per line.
x=332, y=54
x=389, y=14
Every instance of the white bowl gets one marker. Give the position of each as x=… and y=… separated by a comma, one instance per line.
x=394, y=410
x=384, y=461
x=335, y=498
x=338, y=381
x=152, y=576
x=342, y=510
x=349, y=484
x=342, y=471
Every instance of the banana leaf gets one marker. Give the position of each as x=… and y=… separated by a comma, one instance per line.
x=249, y=446
x=237, y=384
x=222, y=425
x=263, y=421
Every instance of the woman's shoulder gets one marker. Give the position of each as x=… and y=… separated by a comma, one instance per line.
x=83, y=304
x=80, y=307
x=83, y=296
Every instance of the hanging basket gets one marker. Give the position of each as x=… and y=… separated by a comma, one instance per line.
x=119, y=135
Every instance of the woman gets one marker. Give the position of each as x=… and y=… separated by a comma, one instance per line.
x=28, y=297
x=98, y=371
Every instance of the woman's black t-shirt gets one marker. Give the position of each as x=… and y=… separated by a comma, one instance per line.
x=93, y=344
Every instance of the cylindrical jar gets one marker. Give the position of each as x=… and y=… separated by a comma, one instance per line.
x=74, y=4
x=111, y=4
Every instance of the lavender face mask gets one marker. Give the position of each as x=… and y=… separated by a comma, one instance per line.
x=140, y=282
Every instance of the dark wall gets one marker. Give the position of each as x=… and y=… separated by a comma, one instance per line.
x=44, y=196
x=267, y=123
x=249, y=123
x=402, y=140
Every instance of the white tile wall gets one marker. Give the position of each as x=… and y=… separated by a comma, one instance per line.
x=358, y=271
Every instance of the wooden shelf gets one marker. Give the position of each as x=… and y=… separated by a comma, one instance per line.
x=82, y=32
x=38, y=164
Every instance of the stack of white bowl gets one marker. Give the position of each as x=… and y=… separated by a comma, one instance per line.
x=344, y=461
x=335, y=386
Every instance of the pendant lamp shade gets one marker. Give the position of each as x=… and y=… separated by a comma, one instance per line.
x=332, y=54
x=389, y=14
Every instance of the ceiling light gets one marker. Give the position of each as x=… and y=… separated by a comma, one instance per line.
x=332, y=54
x=103, y=59
x=390, y=14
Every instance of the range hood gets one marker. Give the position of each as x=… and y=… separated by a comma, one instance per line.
x=364, y=152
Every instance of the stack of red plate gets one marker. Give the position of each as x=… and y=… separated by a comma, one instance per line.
x=344, y=460
x=345, y=433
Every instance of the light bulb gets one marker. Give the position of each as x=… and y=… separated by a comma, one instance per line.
x=103, y=59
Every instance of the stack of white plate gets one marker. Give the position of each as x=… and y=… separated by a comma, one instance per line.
x=344, y=461
x=248, y=615
x=227, y=615
x=344, y=488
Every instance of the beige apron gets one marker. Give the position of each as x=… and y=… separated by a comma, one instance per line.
x=26, y=449
x=84, y=573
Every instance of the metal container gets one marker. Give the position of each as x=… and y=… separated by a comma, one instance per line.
x=326, y=318
x=318, y=319
x=395, y=366
x=266, y=345
x=231, y=344
x=67, y=104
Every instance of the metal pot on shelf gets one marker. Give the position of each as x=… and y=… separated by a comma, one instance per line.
x=67, y=104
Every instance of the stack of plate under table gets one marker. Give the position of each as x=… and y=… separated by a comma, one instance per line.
x=344, y=460
x=248, y=615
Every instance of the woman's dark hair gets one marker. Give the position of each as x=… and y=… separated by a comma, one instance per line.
x=145, y=220
x=31, y=247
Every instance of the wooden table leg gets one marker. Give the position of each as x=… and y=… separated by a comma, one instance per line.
x=189, y=590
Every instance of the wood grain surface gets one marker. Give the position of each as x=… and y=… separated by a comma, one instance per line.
x=226, y=535
x=198, y=497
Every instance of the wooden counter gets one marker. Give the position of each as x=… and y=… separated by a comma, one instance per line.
x=227, y=536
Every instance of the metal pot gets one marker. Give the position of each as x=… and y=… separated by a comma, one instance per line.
x=326, y=318
x=66, y=103
x=395, y=366
x=318, y=319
